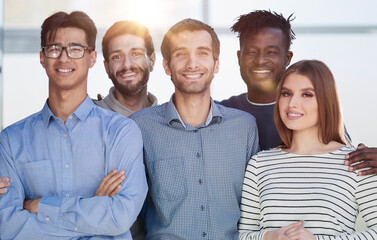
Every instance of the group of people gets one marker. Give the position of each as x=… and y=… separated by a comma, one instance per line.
x=190, y=168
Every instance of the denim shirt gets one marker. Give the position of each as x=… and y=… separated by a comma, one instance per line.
x=63, y=163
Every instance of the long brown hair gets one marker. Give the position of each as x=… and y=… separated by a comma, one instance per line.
x=329, y=113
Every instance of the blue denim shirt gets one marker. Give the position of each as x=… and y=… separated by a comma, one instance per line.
x=195, y=174
x=63, y=164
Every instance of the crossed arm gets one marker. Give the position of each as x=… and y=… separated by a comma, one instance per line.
x=109, y=212
x=109, y=186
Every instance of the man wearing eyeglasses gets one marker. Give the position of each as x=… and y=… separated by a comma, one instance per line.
x=56, y=158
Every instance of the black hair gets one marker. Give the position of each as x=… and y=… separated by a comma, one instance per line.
x=76, y=19
x=252, y=22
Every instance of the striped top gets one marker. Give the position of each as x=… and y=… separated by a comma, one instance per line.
x=281, y=188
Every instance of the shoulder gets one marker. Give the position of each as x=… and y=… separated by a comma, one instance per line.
x=234, y=101
x=114, y=121
x=33, y=121
x=149, y=113
x=233, y=114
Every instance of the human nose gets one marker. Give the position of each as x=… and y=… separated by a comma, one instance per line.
x=192, y=63
x=293, y=101
x=64, y=55
x=261, y=59
x=127, y=61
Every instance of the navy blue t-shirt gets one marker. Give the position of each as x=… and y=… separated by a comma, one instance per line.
x=264, y=114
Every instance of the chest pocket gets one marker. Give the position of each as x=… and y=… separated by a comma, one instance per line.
x=37, y=179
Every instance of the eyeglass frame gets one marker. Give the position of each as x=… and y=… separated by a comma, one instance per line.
x=66, y=50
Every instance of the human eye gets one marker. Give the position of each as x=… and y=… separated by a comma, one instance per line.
x=286, y=93
x=53, y=48
x=137, y=53
x=203, y=53
x=179, y=54
x=76, y=48
x=308, y=94
x=251, y=52
x=115, y=57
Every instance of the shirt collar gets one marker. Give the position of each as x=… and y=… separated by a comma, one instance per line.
x=81, y=112
x=172, y=114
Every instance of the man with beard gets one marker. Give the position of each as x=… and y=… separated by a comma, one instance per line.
x=195, y=150
x=129, y=55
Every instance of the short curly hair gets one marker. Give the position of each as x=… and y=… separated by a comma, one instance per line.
x=254, y=21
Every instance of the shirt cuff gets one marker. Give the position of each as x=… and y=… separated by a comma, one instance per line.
x=48, y=209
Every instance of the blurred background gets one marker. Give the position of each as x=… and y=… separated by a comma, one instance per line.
x=342, y=33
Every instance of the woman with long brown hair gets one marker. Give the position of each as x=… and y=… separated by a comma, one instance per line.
x=302, y=189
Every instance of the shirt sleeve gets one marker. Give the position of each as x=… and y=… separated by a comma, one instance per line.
x=105, y=215
x=15, y=222
x=366, y=197
x=248, y=226
x=253, y=140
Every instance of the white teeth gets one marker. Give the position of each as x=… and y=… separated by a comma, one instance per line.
x=262, y=71
x=294, y=114
x=64, y=70
x=192, y=75
x=128, y=74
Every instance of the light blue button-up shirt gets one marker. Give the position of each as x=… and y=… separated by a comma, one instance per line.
x=195, y=173
x=63, y=164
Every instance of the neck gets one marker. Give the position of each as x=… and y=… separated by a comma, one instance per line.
x=64, y=103
x=261, y=97
x=308, y=142
x=193, y=109
x=134, y=102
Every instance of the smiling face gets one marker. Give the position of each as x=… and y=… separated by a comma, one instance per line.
x=65, y=73
x=298, y=106
x=129, y=66
x=263, y=58
x=192, y=65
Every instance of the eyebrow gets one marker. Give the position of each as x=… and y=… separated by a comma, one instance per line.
x=185, y=48
x=132, y=49
x=304, y=89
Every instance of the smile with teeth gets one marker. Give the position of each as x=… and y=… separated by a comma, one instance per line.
x=65, y=70
x=129, y=74
x=261, y=71
x=295, y=114
x=192, y=75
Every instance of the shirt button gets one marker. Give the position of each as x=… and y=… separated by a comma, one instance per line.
x=198, y=155
x=67, y=195
x=195, y=131
x=70, y=117
x=47, y=219
x=200, y=181
x=204, y=234
x=65, y=135
x=76, y=228
x=202, y=208
x=67, y=165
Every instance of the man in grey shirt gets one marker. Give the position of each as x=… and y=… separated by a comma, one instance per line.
x=129, y=55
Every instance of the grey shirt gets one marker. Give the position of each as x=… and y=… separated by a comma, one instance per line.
x=111, y=103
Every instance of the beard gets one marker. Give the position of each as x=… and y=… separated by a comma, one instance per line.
x=130, y=87
x=266, y=84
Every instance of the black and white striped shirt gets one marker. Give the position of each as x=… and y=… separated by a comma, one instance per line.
x=281, y=188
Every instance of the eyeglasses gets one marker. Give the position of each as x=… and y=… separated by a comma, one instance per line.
x=73, y=51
